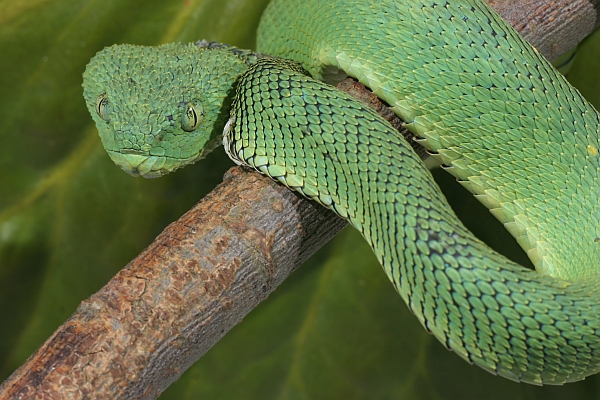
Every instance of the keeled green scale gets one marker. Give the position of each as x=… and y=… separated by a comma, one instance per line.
x=340, y=153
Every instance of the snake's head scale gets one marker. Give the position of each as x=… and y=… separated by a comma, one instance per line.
x=160, y=108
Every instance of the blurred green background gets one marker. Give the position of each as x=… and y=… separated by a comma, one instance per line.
x=70, y=219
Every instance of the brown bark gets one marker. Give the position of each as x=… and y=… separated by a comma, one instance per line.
x=174, y=301
x=552, y=27
x=207, y=270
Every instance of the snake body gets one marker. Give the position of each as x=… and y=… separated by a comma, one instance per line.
x=481, y=100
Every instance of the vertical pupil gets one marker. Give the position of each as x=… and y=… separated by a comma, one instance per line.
x=101, y=104
x=192, y=116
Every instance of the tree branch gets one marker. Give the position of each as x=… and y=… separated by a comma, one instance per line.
x=552, y=27
x=207, y=270
x=174, y=301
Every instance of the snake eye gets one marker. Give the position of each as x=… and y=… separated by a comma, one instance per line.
x=192, y=116
x=102, y=106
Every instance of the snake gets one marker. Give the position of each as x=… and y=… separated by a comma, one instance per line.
x=482, y=101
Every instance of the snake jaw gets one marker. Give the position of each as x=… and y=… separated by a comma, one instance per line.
x=146, y=166
x=136, y=164
x=155, y=166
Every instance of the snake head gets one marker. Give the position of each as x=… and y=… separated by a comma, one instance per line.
x=159, y=108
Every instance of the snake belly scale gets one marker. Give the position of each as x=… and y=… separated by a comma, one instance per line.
x=481, y=100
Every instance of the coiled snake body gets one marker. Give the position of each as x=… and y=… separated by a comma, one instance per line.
x=481, y=100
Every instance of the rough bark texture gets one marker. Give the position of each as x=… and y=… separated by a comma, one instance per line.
x=174, y=301
x=207, y=270
x=552, y=26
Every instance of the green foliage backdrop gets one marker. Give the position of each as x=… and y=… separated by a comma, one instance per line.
x=70, y=219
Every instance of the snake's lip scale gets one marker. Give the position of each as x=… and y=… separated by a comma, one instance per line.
x=137, y=164
x=150, y=166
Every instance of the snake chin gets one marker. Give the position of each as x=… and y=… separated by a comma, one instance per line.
x=139, y=165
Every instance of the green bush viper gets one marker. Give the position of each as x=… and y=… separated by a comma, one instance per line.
x=481, y=100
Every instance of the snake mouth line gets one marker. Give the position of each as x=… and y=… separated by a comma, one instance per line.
x=141, y=163
x=151, y=166
x=146, y=165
